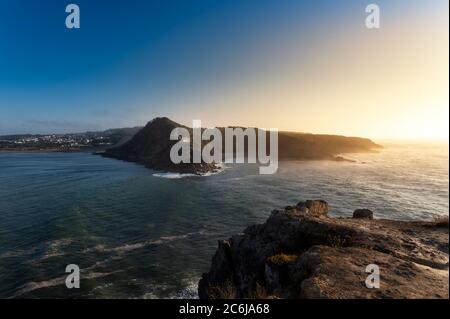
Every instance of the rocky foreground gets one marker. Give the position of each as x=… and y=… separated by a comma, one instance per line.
x=301, y=252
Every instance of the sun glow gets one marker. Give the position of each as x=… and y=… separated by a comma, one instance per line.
x=390, y=84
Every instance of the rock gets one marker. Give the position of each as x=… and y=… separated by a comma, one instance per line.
x=303, y=253
x=318, y=208
x=363, y=214
x=151, y=147
x=339, y=273
x=222, y=274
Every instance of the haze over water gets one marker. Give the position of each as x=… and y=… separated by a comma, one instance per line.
x=135, y=235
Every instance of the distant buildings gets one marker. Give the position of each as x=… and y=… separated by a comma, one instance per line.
x=54, y=141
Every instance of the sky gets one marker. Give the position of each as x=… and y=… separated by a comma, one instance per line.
x=308, y=66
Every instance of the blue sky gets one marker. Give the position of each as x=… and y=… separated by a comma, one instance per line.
x=134, y=60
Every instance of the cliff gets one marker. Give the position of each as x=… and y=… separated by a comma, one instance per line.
x=151, y=146
x=301, y=252
x=304, y=146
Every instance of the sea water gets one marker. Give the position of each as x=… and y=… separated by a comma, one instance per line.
x=137, y=233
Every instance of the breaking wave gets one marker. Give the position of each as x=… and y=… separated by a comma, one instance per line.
x=171, y=175
x=129, y=247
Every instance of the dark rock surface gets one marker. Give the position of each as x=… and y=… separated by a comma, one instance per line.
x=363, y=214
x=151, y=147
x=300, y=252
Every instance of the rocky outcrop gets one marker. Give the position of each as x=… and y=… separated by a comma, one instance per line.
x=151, y=147
x=301, y=252
x=363, y=214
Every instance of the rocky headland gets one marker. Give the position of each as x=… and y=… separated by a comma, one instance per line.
x=151, y=147
x=301, y=252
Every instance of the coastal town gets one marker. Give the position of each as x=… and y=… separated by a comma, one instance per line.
x=65, y=142
x=51, y=142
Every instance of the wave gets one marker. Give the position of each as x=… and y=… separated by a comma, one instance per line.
x=189, y=290
x=220, y=167
x=33, y=285
x=129, y=247
x=45, y=250
x=56, y=248
x=169, y=175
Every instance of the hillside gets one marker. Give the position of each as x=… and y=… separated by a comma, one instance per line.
x=303, y=146
x=151, y=147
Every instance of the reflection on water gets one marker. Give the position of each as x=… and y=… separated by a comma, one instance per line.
x=136, y=235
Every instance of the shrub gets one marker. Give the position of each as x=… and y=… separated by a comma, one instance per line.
x=224, y=291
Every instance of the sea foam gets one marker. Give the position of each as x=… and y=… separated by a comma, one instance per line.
x=171, y=175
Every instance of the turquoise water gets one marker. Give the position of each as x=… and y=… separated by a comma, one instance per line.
x=135, y=235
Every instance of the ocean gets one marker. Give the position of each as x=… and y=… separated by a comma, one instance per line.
x=137, y=233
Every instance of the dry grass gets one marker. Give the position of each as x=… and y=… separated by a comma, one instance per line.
x=229, y=291
x=337, y=241
x=259, y=293
x=281, y=259
x=225, y=291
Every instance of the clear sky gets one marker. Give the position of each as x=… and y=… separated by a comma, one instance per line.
x=308, y=66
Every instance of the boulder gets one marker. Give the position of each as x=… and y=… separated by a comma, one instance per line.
x=318, y=208
x=363, y=214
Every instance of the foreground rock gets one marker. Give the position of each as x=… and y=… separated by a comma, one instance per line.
x=300, y=252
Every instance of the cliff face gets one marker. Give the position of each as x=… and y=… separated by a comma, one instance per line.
x=151, y=147
x=300, y=252
x=302, y=146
